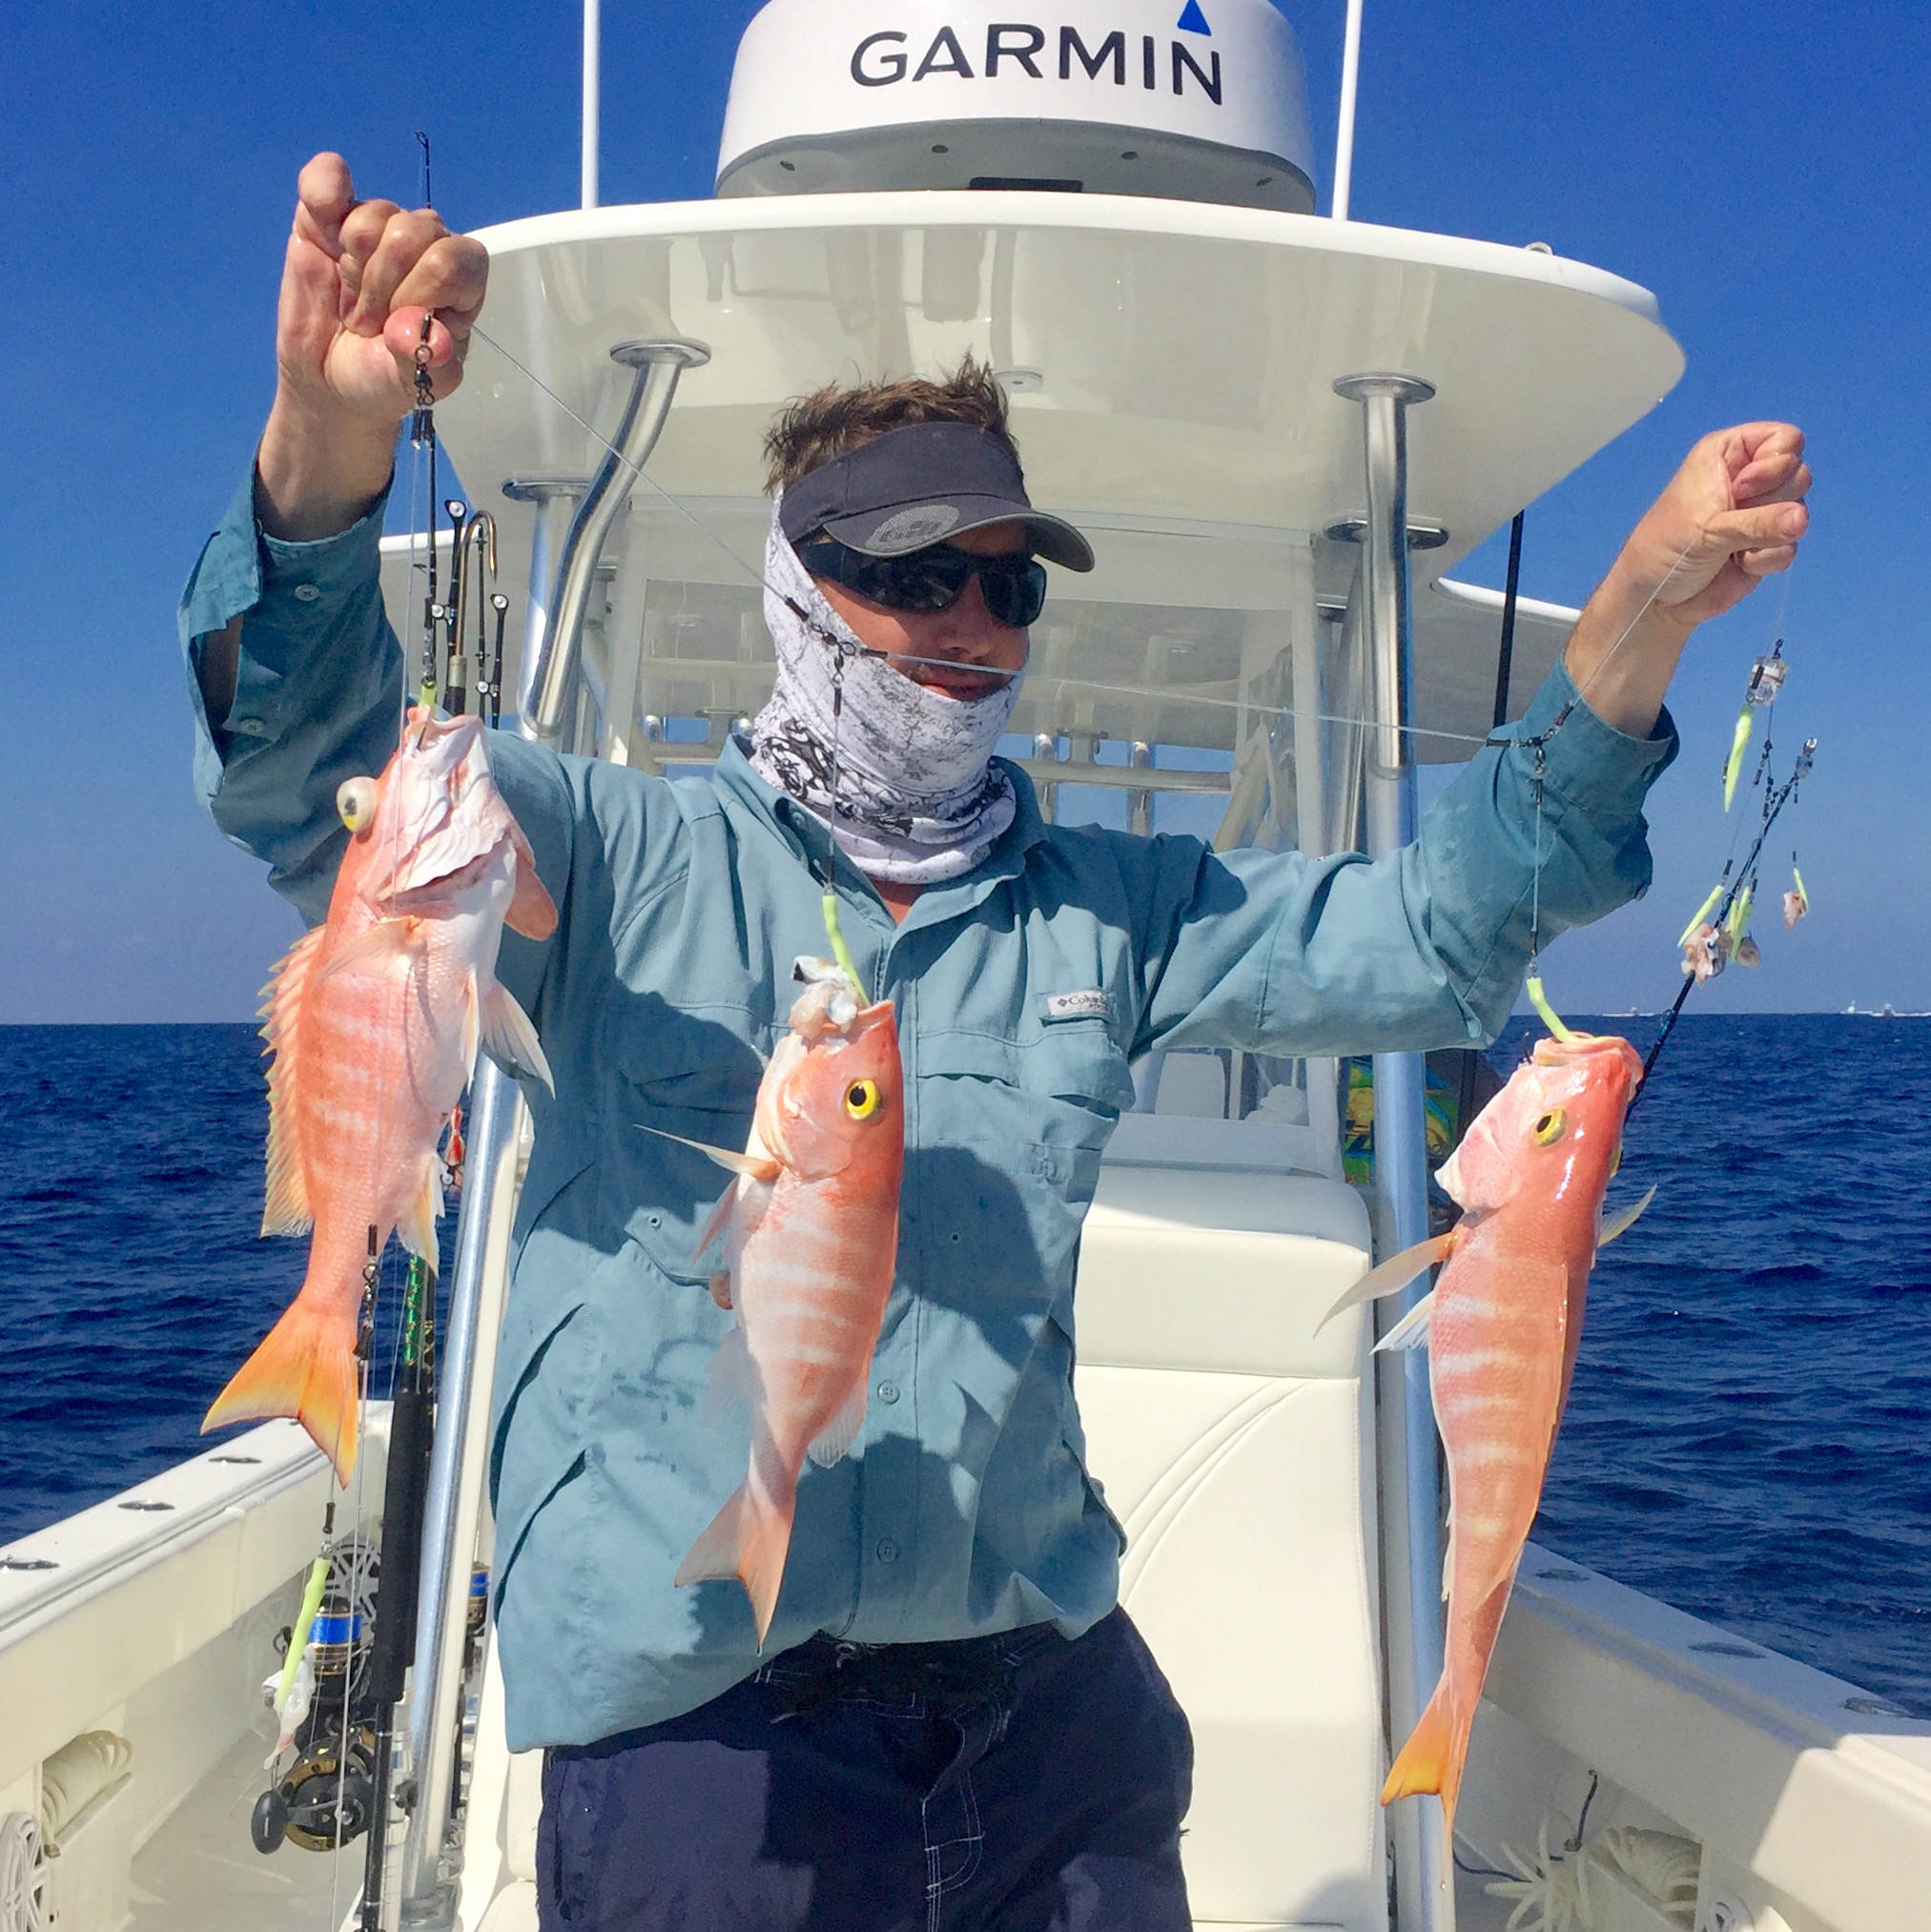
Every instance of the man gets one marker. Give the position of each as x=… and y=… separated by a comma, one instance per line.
x=950, y=1722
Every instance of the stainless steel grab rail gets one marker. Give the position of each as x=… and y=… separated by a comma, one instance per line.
x=550, y=659
x=1412, y=1555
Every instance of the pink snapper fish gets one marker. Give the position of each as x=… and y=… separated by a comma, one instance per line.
x=374, y=1019
x=1502, y=1328
x=810, y=1237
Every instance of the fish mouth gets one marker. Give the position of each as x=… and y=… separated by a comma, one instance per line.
x=1582, y=1046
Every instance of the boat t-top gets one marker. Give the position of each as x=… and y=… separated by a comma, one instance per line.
x=1281, y=432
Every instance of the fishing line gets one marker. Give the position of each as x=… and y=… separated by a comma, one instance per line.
x=753, y=574
x=1773, y=807
x=1494, y=739
x=1532, y=983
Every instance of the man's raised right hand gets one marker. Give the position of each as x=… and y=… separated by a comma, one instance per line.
x=358, y=277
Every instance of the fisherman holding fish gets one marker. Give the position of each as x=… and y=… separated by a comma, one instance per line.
x=933, y=1711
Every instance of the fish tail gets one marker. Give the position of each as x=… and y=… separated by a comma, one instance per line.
x=306, y=1368
x=1432, y=1757
x=749, y=1538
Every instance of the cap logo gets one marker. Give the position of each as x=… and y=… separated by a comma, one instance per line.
x=922, y=523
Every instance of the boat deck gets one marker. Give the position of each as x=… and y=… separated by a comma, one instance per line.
x=202, y=1873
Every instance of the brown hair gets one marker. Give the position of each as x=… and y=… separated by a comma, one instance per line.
x=832, y=422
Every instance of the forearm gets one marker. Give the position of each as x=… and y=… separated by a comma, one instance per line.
x=1624, y=652
x=297, y=682
x=1732, y=514
x=1531, y=841
x=321, y=467
x=1425, y=947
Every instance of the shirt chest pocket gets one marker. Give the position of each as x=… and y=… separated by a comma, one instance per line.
x=683, y=1064
x=1063, y=1089
x=695, y=1078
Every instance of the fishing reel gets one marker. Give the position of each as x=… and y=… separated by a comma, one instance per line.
x=325, y=1798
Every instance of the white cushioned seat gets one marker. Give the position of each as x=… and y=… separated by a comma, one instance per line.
x=1236, y=1446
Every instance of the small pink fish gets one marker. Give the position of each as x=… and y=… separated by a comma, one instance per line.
x=1502, y=1328
x=374, y=1020
x=810, y=1231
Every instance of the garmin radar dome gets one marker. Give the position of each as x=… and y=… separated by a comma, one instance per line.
x=1195, y=100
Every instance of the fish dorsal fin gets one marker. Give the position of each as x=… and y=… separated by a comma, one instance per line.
x=507, y=1034
x=1621, y=1221
x=1411, y=1332
x=842, y=1430
x=1395, y=1273
x=286, y=1209
x=766, y=1169
x=532, y=912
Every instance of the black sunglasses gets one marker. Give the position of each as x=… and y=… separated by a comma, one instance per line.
x=932, y=578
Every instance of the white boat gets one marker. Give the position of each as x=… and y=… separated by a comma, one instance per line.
x=1261, y=417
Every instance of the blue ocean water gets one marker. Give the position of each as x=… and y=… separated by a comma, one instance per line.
x=1748, y=1434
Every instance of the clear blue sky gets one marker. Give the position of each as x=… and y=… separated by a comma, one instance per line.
x=1764, y=169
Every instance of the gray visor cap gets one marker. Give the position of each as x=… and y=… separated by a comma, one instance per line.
x=924, y=485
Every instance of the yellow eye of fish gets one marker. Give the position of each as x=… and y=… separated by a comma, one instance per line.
x=356, y=801
x=861, y=1100
x=1549, y=1129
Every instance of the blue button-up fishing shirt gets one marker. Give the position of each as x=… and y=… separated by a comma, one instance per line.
x=964, y=1507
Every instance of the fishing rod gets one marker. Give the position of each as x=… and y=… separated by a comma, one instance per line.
x=405, y=1488
x=1773, y=804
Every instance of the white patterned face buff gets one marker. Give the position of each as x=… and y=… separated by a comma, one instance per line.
x=918, y=798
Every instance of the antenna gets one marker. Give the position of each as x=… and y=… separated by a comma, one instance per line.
x=593, y=35
x=1343, y=134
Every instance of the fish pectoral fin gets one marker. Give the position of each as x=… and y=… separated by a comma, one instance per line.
x=532, y=912
x=1621, y=1221
x=386, y=944
x=1394, y=1274
x=758, y=1169
x=510, y=1038
x=417, y=1224
x=714, y=1228
x=842, y=1430
x=1411, y=1332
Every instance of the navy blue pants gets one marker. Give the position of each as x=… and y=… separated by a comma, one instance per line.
x=1018, y=1783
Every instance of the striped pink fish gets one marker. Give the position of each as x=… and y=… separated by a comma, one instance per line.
x=810, y=1234
x=374, y=1019
x=1502, y=1328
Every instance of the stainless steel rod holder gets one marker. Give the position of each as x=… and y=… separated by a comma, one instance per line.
x=556, y=498
x=435, y=1687
x=550, y=660
x=1411, y=1558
